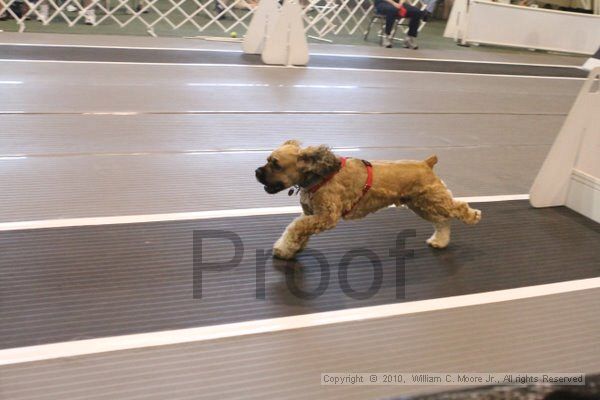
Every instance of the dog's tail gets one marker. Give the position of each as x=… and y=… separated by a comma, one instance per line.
x=431, y=161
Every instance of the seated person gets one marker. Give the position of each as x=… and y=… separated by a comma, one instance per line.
x=392, y=11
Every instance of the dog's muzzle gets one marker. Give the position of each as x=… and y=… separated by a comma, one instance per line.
x=269, y=188
x=260, y=175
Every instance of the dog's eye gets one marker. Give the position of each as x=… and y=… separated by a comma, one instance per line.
x=275, y=164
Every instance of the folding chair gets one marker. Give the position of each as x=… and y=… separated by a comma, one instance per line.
x=403, y=22
x=375, y=17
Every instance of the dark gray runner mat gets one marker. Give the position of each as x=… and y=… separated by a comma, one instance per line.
x=67, y=53
x=86, y=282
x=589, y=391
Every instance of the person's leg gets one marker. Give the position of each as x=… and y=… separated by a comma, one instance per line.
x=89, y=15
x=21, y=8
x=43, y=11
x=414, y=15
x=391, y=15
x=414, y=21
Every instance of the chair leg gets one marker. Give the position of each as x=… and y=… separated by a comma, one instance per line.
x=369, y=28
x=393, y=32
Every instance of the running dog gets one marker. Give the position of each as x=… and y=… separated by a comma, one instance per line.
x=334, y=187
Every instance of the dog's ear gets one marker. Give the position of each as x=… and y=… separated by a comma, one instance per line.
x=319, y=161
x=292, y=142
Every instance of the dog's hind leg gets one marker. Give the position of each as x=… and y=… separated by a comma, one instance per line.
x=460, y=209
x=464, y=213
x=435, y=204
x=441, y=235
x=441, y=223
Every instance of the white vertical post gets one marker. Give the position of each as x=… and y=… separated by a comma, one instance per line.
x=570, y=174
x=287, y=44
x=261, y=27
x=457, y=21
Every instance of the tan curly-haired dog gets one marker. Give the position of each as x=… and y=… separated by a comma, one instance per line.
x=332, y=188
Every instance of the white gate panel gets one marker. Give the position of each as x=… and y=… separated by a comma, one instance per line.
x=529, y=27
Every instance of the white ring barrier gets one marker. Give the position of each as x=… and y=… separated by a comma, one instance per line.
x=320, y=17
x=481, y=21
x=570, y=174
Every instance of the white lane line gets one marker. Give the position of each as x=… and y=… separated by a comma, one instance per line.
x=163, y=338
x=491, y=199
x=206, y=152
x=312, y=53
x=272, y=112
x=198, y=215
x=137, y=219
x=93, y=46
x=213, y=152
x=286, y=67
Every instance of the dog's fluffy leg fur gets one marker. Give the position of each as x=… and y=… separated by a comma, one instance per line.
x=296, y=235
x=435, y=204
x=464, y=213
x=441, y=235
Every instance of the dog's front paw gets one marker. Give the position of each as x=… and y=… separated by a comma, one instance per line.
x=280, y=250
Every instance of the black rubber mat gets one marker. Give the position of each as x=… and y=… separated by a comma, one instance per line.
x=66, y=53
x=75, y=283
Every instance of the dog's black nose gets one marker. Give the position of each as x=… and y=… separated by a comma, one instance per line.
x=260, y=173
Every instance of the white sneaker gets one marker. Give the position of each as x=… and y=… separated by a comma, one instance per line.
x=410, y=43
x=386, y=41
x=71, y=8
x=43, y=13
x=90, y=17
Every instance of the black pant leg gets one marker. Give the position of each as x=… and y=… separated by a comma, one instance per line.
x=391, y=15
x=414, y=15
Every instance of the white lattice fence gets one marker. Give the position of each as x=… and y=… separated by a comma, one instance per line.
x=321, y=17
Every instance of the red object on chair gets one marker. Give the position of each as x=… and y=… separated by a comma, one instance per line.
x=402, y=11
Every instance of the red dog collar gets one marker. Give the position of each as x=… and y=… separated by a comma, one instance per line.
x=366, y=188
x=318, y=186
